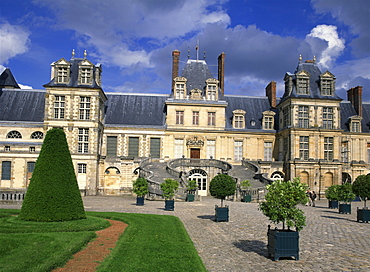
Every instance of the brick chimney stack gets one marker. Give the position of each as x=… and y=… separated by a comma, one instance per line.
x=175, y=66
x=271, y=93
x=221, y=72
x=355, y=97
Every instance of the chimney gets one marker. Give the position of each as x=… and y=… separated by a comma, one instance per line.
x=355, y=97
x=175, y=66
x=221, y=72
x=271, y=93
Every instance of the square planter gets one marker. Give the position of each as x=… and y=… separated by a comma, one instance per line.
x=169, y=205
x=283, y=243
x=363, y=215
x=345, y=208
x=221, y=213
x=333, y=204
x=139, y=200
x=190, y=197
x=247, y=198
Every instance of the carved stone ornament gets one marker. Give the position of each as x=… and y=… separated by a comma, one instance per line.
x=196, y=94
x=195, y=141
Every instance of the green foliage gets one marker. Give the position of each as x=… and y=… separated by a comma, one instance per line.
x=345, y=193
x=281, y=201
x=192, y=185
x=140, y=187
x=332, y=192
x=53, y=193
x=169, y=187
x=222, y=186
x=361, y=187
x=245, y=184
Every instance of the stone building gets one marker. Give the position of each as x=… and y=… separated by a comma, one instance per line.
x=193, y=132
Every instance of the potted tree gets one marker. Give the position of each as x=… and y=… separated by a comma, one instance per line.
x=332, y=196
x=280, y=207
x=244, y=187
x=220, y=187
x=169, y=187
x=361, y=188
x=140, y=188
x=345, y=195
x=191, y=188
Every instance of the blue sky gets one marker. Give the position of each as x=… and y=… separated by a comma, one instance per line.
x=133, y=40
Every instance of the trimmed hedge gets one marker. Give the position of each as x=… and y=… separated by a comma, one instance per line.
x=53, y=194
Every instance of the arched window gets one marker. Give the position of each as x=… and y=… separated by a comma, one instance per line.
x=277, y=176
x=112, y=170
x=346, y=178
x=14, y=135
x=304, y=176
x=200, y=176
x=37, y=135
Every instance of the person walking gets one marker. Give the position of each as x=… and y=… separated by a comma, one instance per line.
x=313, y=198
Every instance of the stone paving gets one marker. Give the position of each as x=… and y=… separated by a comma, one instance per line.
x=330, y=241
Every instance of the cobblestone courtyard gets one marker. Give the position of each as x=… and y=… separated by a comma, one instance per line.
x=330, y=241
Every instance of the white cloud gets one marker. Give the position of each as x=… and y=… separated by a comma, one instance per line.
x=334, y=47
x=13, y=40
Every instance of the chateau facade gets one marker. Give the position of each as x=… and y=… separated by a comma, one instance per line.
x=309, y=132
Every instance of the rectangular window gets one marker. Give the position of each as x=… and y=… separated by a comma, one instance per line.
x=83, y=140
x=211, y=149
x=239, y=121
x=355, y=126
x=286, y=117
x=211, y=118
x=30, y=167
x=211, y=92
x=62, y=75
x=303, y=118
x=180, y=88
x=6, y=170
x=155, y=147
x=268, y=151
x=344, y=151
x=268, y=122
x=303, y=147
x=133, y=146
x=85, y=108
x=327, y=118
x=85, y=74
x=59, y=106
x=196, y=118
x=179, y=148
x=82, y=168
x=328, y=148
x=326, y=87
x=7, y=148
x=32, y=149
x=303, y=86
x=111, y=146
x=238, y=150
x=179, y=117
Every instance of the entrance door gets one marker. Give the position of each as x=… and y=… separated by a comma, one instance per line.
x=200, y=176
x=194, y=153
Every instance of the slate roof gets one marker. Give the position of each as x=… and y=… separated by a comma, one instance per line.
x=139, y=110
x=22, y=105
x=347, y=111
x=253, y=106
x=314, y=83
x=73, y=82
x=7, y=80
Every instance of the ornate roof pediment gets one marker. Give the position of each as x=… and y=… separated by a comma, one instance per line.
x=239, y=111
x=212, y=80
x=86, y=62
x=184, y=79
x=196, y=94
x=269, y=113
x=327, y=74
x=303, y=73
x=62, y=61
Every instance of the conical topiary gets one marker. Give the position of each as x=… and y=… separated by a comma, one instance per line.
x=53, y=193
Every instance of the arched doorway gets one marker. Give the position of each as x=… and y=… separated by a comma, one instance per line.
x=346, y=178
x=112, y=179
x=200, y=176
x=328, y=180
x=304, y=177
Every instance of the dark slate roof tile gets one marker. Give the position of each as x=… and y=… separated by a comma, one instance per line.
x=7, y=80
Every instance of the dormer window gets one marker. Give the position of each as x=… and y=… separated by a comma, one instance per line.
x=85, y=73
x=355, y=124
x=239, y=119
x=211, y=91
x=180, y=87
x=327, y=84
x=61, y=71
x=303, y=83
x=268, y=120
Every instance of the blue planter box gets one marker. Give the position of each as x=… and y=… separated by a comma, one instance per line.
x=169, y=205
x=333, y=204
x=140, y=201
x=221, y=213
x=345, y=208
x=363, y=215
x=283, y=243
x=190, y=197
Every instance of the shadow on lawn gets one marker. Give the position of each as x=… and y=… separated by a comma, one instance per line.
x=252, y=246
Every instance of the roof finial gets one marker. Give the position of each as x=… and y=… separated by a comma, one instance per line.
x=204, y=54
x=300, y=58
x=196, y=48
x=314, y=59
x=188, y=52
x=85, y=54
x=73, y=53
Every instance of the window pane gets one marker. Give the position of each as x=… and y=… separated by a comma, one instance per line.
x=111, y=145
x=155, y=147
x=133, y=146
x=5, y=170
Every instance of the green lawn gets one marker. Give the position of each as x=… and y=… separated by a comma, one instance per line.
x=149, y=243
